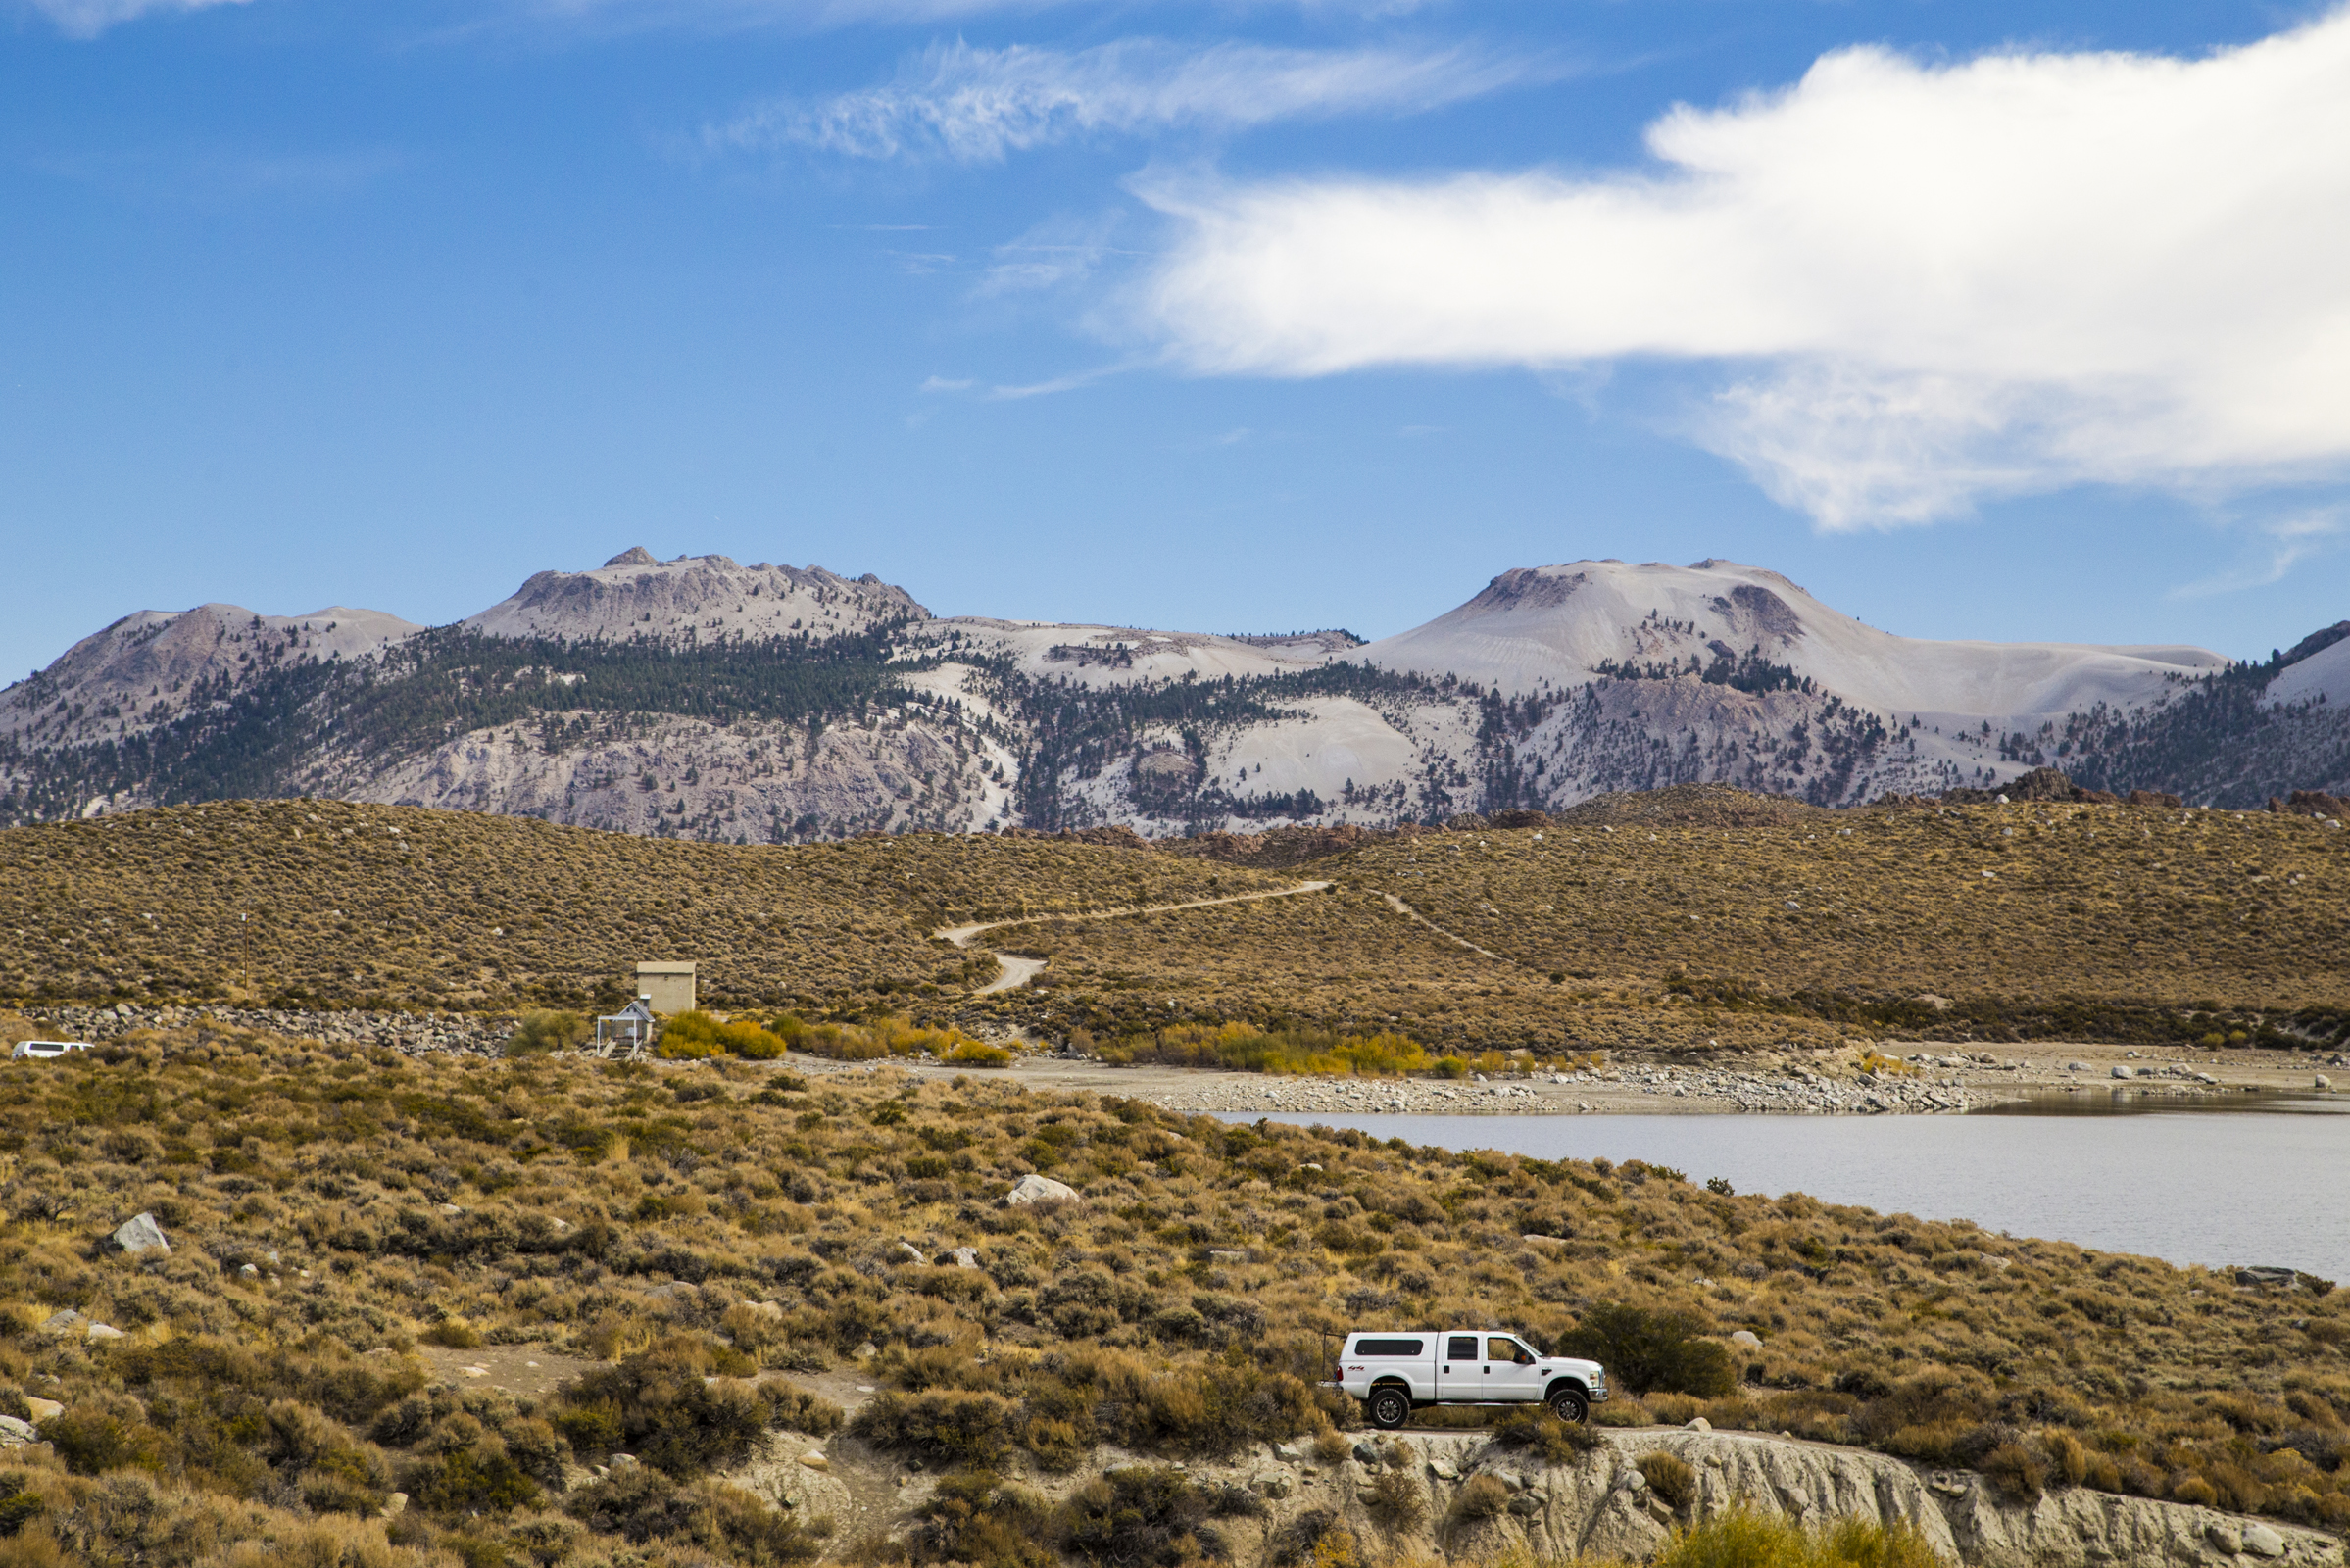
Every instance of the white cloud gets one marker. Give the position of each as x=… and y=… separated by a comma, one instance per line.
x=86, y=19
x=1926, y=284
x=978, y=105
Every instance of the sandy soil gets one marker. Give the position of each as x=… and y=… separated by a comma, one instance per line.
x=532, y=1370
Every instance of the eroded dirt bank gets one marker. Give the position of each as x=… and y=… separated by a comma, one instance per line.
x=1432, y=1503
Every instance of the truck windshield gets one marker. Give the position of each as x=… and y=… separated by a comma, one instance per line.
x=1508, y=1351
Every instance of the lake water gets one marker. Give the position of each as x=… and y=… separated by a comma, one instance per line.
x=2260, y=1178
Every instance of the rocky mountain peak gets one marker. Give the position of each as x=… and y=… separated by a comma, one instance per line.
x=694, y=599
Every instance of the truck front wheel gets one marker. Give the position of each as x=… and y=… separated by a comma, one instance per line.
x=1569, y=1405
x=1389, y=1408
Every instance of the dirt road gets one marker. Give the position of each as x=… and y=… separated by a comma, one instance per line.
x=1017, y=971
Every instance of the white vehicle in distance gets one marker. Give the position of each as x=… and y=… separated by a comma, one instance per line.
x=45, y=1050
x=1396, y=1373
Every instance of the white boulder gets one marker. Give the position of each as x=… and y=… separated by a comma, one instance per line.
x=1035, y=1189
x=142, y=1233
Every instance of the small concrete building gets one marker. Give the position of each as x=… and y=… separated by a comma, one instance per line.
x=667, y=986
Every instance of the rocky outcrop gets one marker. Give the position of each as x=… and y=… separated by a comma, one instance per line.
x=695, y=598
x=1602, y=1507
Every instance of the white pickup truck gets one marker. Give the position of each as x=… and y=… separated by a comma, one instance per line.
x=1395, y=1373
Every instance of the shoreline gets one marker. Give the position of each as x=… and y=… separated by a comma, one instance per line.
x=1954, y=1080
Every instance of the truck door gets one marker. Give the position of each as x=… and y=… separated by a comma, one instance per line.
x=1459, y=1374
x=1509, y=1371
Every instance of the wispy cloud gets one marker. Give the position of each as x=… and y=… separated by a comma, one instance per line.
x=2287, y=542
x=1057, y=384
x=86, y=19
x=1919, y=285
x=809, y=15
x=1059, y=252
x=980, y=105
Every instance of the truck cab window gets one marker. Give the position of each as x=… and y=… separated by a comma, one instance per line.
x=1461, y=1348
x=1510, y=1350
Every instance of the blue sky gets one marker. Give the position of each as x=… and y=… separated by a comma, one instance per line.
x=1976, y=320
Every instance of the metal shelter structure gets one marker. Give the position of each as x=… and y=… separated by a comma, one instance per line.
x=632, y=1026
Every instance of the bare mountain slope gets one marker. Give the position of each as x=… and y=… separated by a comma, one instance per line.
x=1556, y=626
x=701, y=698
x=152, y=667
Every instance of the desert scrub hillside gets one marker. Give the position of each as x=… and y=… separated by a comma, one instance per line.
x=2049, y=918
x=705, y=1240
x=1756, y=922
x=1344, y=963
x=391, y=905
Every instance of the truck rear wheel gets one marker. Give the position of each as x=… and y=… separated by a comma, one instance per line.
x=1569, y=1405
x=1389, y=1408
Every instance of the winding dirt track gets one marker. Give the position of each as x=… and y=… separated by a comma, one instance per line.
x=1408, y=912
x=1018, y=971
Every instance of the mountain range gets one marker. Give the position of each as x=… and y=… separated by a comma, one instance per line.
x=701, y=698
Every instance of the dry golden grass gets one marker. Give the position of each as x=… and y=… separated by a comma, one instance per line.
x=394, y=906
x=578, y=1187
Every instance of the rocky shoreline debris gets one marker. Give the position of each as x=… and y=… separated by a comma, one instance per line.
x=410, y=1033
x=1793, y=1089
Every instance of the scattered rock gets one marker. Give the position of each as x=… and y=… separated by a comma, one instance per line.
x=815, y=1460
x=1225, y=1255
x=965, y=1257
x=450, y=1208
x=1364, y=1453
x=1289, y=1452
x=2262, y=1542
x=63, y=1321
x=1035, y=1189
x=1746, y=1338
x=1634, y=1481
x=142, y=1233
x=16, y=1433
x=395, y=1505
x=2076, y=1066
x=1444, y=1469
x=2226, y=1536
x=2323, y=1081
x=2265, y=1276
x=251, y=1271
x=1532, y=1239
x=1698, y=1423
x=866, y=1352
x=913, y=1255
x=2123, y=1071
x=105, y=1331
x=44, y=1409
